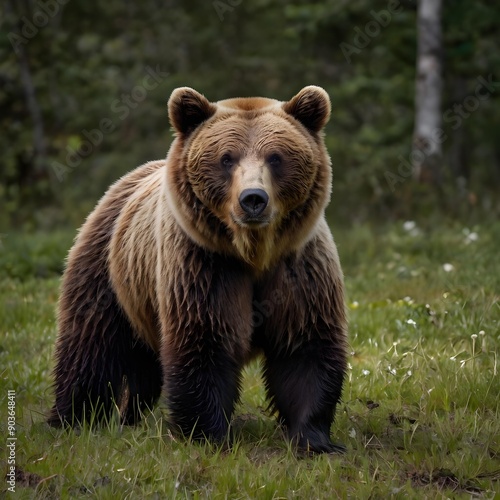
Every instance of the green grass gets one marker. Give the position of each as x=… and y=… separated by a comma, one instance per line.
x=420, y=413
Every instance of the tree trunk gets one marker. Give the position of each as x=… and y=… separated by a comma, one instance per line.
x=428, y=136
x=459, y=148
x=39, y=147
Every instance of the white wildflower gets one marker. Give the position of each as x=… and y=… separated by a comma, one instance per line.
x=448, y=268
x=409, y=225
x=471, y=237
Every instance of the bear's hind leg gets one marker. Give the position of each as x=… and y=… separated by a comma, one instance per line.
x=142, y=382
x=100, y=363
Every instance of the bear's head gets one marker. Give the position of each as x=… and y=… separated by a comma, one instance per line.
x=249, y=177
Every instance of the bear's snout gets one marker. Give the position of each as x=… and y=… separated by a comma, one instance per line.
x=253, y=202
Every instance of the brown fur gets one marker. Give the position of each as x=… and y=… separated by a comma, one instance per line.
x=172, y=278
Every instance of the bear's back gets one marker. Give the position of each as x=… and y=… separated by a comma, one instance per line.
x=249, y=104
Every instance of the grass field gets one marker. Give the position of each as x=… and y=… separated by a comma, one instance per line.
x=420, y=414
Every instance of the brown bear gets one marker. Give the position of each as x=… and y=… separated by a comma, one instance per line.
x=189, y=267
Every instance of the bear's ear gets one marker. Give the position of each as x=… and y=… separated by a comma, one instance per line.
x=187, y=109
x=311, y=107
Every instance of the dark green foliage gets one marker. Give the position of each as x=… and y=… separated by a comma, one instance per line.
x=38, y=255
x=87, y=65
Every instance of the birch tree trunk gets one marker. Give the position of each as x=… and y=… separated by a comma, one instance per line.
x=426, y=153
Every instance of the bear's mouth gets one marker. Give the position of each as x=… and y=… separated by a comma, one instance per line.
x=251, y=222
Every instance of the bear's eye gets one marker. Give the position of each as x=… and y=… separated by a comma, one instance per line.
x=274, y=160
x=226, y=161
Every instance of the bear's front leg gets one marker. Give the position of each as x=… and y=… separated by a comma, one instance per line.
x=303, y=334
x=305, y=385
x=207, y=328
x=202, y=386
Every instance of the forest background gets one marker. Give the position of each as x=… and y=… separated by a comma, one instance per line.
x=84, y=87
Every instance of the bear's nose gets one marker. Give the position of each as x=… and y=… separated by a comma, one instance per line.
x=253, y=201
